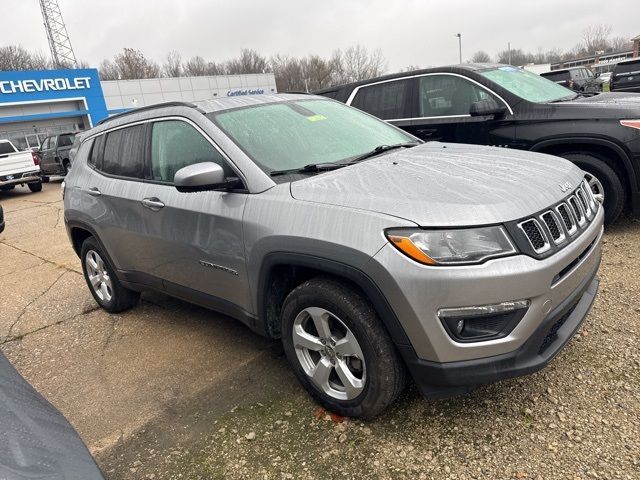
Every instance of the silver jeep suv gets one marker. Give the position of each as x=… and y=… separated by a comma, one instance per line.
x=367, y=252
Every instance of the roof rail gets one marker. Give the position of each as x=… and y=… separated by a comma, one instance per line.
x=150, y=107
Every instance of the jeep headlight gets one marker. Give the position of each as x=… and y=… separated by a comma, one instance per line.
x=453, y=246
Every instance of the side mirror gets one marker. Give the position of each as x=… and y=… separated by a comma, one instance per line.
x=200, y=177
x=487, y=107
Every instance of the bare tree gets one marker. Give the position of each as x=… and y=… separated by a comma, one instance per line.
x=289, y=73
x=128, y=65
x=108, y=70
x=620, y=44
x=518, y=57
x=16, y=57
x=249, y=61
x=411, y=68
x=198, y=67
x=480, y=57
x=595, y=38
x=356, y=63
x=172, y=66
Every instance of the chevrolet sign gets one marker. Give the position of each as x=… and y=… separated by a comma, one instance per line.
x=44, y=85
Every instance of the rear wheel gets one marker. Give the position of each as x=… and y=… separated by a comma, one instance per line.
x=339, y=349
x=66, y=166
x=35, y=187
x=102, y=281
x=6, y=188
x=604, y=181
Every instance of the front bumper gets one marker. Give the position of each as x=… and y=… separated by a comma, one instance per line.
x=445, y=379
x=20, y=178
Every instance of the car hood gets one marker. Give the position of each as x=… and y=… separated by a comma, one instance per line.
x=438, y=184
x=614, y=103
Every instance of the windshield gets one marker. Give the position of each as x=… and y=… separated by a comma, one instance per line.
x=528, y=85
x=290, y=135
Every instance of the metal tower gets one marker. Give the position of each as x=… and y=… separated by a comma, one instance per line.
x=62, y=54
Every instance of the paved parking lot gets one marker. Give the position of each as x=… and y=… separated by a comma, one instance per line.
x=170, y=390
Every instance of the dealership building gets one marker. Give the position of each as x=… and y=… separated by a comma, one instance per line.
x=35, y=104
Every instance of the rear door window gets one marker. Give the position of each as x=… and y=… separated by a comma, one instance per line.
x=65, y=140
x=629, y=67
x=387, y=100
x=124, y=152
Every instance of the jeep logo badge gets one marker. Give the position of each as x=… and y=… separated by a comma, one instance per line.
x=565, y=187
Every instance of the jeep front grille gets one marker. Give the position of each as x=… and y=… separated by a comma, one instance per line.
x=535, y=235
x=558, y=224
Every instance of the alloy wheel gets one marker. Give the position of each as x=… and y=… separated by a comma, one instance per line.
x=98, y=276
x=329, y=353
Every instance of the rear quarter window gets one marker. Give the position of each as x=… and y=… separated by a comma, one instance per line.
x=124, y=152
x=385, y=100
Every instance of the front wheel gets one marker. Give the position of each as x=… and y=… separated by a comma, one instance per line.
x=339, y=349
x=35, y=187
x=604, y=181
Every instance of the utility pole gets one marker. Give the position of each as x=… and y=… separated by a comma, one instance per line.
x=62, y=54
x=459, y=35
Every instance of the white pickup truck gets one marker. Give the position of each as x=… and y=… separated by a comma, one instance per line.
x=18, y=168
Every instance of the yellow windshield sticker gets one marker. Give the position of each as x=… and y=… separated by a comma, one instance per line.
x=316, y=118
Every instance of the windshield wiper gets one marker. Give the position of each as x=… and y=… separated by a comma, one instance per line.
x=381, y=149
x=311, y=168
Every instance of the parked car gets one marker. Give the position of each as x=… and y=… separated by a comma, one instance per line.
x=18, y=168
x=37, y=441
x=605, y=77
x=626, y=76
x=366, y=251
x=580, y=79
x=509, y=107
x=54, y=155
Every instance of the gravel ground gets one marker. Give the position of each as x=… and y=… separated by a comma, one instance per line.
x=577, y=419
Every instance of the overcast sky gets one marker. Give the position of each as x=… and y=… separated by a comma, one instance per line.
x=409, y=32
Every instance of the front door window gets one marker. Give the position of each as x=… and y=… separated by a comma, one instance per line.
x=448, y=95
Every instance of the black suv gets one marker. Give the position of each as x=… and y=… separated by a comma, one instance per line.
x=626, y=76
x=501, y=105
x=580, y=79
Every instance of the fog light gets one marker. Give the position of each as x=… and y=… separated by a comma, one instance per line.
x=483, y=322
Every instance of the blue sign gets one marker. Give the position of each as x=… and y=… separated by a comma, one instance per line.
x=43, y=86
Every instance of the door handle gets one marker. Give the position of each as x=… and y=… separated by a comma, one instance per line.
x=152, y=203
x=426, y=132
x=94, y=192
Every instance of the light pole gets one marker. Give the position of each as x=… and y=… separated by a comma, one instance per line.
x=459, y=35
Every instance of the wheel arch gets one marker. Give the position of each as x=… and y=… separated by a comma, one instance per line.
x=606, y=150
x=282, y=271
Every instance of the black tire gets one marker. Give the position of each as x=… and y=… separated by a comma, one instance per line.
x=121, y=298
x=6, y=188
x=385, y=372
x=35, y=187
x=614, y=191
x=66, y=166
x=45, y=179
